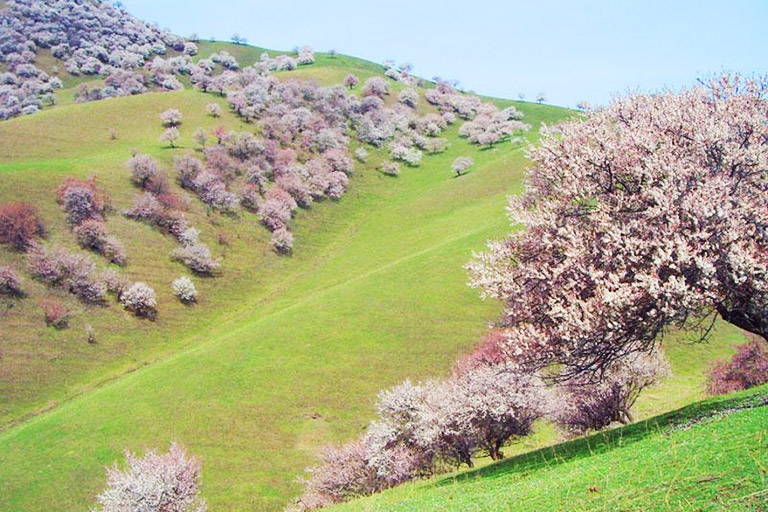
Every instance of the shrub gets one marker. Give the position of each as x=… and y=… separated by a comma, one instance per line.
x=184, y=289
x=113, y=250
x=375, y=86
x=187, y=167
x=20, y=225
x=277, y=209
x=201, y=137
x=115, y=282
x=82, y=200
x=158, y=185
x=197, y=257
x=434, y=146
x=190, y=49
x=583, y=405
x=56, y=315
x=361, y=154
x=154, y=483
x=146, y=207
x=189, y=236
x=337, y=185
x=282, y=240
x=75, y=272
x=143, y=168
x=213, y=110
x=409, y=97
x=747, y=368
x=461, y=165
x=140, y=300
x=343, y=474
x=306, y=55
x=90, y=334
x=170, y=135
x=390, y=168
x=339, y=161
x=171, y=118
x=250, y=199
x=10, y=284
x=409, y=155
x=91, y=234
x=351, y=80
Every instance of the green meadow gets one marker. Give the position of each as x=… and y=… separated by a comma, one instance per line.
x=281, y=355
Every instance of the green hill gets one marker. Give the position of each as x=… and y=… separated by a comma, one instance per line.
x=282, y=354
x=710, y=455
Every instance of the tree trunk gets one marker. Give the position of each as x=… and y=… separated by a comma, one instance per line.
x=751, y=316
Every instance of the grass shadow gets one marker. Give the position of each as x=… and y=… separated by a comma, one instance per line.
x=606, y=441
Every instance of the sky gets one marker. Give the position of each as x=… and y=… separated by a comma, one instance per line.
x=569, y=50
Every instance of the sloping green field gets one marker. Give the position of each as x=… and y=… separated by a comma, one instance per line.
x=282, y=354
x=708, y=456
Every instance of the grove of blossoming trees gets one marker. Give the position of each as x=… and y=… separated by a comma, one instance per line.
x=90, y=37
x=487, y=402
x=645, y=215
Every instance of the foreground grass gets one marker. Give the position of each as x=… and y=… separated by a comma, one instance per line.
x=282, y=355
x=711, y=455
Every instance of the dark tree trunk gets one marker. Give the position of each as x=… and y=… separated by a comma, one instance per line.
x=752, y=317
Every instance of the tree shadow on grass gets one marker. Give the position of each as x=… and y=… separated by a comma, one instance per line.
x=606, y=441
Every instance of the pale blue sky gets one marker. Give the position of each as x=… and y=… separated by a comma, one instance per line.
x=569, y=50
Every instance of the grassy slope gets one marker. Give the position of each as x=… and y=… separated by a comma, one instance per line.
x=708, y=456
x=283, y=354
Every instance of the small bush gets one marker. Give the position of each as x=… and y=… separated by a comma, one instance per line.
x=90, y=334
x=91, y=234
x=20, y=225
x=75, y=272
x=213, y=110
x=375, y=86
x=113, y=250
x=351, y=80
x=115, y=282
x=10, y=284
x=184, y=289
x=167, y=482
x=56, y=315
x=409, y=97
x=171, y=117
x=390, y=168
x=140, y=299
x=282, y=240
x=170, y=135
x=461, y=165
x=746, y=369
x=143, y=168
x=250, y=198
x=197, y=257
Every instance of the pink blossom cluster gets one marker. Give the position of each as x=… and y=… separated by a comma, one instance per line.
x=426, y=428
x=88, y=37
x=86, y=206
x=72, y=271
x=168, y=482
x=492, y=125
x=158, y=206
x=647, y=214
x=747, y=368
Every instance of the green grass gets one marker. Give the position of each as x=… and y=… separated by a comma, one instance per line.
x=282, y=355
x=708, y=456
